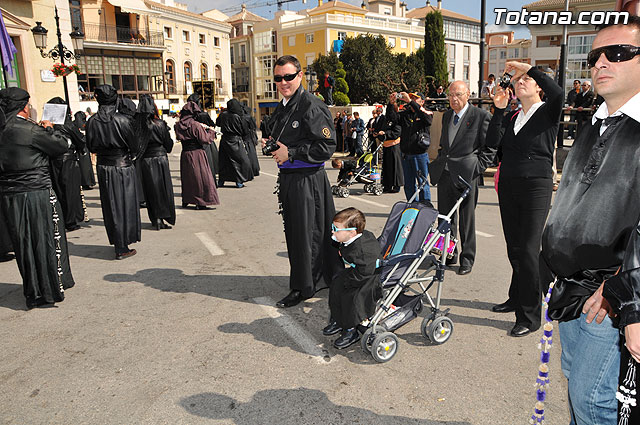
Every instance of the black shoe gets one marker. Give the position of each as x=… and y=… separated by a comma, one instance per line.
x=201, y=207
x=126, y=254
x=451, y=261
x=184, y=205
x=6, y=257
x=239, y=185
x=347, y=338
x=164, y=225
x=39, y=303
x=73, y=227
x=464, y=270
x=331, y=329
x=505, y=307
x=143, y=204
x=519, y=330
x=294, y=298
x=220, y=183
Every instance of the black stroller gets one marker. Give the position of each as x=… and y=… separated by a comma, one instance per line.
x=411, y=238
x=363, y=171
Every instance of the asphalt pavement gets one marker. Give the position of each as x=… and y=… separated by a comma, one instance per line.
x=186, y=332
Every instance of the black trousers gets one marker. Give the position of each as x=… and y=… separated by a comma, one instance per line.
x=307, y=212
x=448, y=195
x=524, y=205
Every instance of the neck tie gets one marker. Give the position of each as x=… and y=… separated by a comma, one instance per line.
x=456, y=118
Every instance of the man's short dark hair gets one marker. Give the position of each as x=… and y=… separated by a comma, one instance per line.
x=357, y=114
x=491, y=76
x=283, y=60
x=634, y=21
x=576, y=81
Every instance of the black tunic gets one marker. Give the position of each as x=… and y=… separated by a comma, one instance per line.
x=234, y=160
x=88, y=178
x=110, y=135
x=305, y=126
x=392, y=174
x=250, y=142
x=354, y=291
x=156, y=177
x=32, y=214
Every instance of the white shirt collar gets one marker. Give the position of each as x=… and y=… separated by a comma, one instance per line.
x=522, y=118
x=631, y=109
x=350, y=241
x=462, y=111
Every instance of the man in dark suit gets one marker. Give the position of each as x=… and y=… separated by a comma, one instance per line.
x=584, y=103
x=462, y=152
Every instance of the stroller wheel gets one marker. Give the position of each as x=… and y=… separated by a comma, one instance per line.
x=377, y=190
x=334, y=189
x=384, y=347
x=343, y=192
x=367, y=338
x=368, y=188
x=440, y=330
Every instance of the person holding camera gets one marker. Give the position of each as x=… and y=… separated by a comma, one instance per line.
x=463, y=153
x=415, y=122
x=302, y=138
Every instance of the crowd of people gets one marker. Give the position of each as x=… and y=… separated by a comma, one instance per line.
x=586, y=244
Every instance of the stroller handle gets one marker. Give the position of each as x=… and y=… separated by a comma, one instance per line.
x=467, y=185
x=423, y=182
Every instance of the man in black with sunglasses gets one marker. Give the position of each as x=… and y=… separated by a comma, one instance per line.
x=594, y=213
x=303, y=128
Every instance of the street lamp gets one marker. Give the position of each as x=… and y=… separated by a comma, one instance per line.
x=310, y=75
x=60, y=51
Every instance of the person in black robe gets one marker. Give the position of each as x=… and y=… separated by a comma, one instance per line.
x=6, y=247
x=303, y=128
x=31, y=210
x=213, y=156
x=110, y=135
x=65, y=172
x=251, y=140
x=128, y=108
x=234, y=161
x=355, y=290
x=88, y=179
x=389, y=133
x=153, y=135
x=198, y=185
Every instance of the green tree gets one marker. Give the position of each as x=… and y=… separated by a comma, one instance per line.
x=368, y=62
x=324, y=63
x=435, y=58
x=335, y=67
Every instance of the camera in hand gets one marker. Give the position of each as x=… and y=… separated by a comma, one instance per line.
x=505, y=80
x=398, y=96
x=270, y=146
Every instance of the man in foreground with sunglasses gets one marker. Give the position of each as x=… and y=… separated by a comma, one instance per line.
x=303, y=128
x=595, y=212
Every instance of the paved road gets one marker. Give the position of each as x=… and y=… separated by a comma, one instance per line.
x=186, y=332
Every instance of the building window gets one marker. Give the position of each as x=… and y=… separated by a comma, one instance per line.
x=185, y=36
x=451, y=52
x=342, y=35
x=292, y=40
x=218, y=76
x=76, y=14
x=580, y=44
x=243, y=53
x=403, y=43
x=392, y=42
x=204, y=71
x=493, y=54
x=171, y=76
x=503, y=54
x=264, y=65
x=216, y=41
x=418, y=44
x=202, y=38
x=187, y=71
x=231, y=55
x=308, y=38
x=452, y=71
x=577, y=69
x=168, y=33
x=387, y=11
x=514, y=53
x=265, y=42
x=466, y=53
x=525, y=52
x=465, y=72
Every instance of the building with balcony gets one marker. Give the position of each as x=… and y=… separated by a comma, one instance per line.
x=546, y=39
x=241, y=54
x=121, y=49
x=31, y=71
x=501, y=47
x=197, y=49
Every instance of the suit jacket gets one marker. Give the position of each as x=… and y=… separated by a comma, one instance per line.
x=469, y=155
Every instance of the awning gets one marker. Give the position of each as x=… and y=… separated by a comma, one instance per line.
x=132, y=6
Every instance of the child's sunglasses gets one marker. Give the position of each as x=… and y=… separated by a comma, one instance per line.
x=613, y=53
x=335, y=229
x=286, y=77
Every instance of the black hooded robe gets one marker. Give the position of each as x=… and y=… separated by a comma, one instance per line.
x=392, y=174
x=251, y=141
x=65, y=171
x=87, y=176
x=29, y=205
x=128, y=108
x=234, y=160
x=110, y=135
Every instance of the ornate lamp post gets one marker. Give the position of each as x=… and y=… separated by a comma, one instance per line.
x=310, y=75
x=60, y=52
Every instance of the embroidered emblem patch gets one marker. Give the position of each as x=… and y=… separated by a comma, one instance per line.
x=326, y=132
x=295, y=124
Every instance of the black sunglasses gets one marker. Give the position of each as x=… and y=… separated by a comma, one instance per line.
x=613, y=53
x=286, y=77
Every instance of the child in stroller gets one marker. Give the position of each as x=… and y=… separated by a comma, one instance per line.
x=353, y=292
x=360, y=171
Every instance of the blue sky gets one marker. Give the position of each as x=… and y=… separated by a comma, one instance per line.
x=466, y=7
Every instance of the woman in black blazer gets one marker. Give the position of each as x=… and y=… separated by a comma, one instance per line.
x=525, y=186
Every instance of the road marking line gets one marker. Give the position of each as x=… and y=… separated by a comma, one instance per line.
x=210, y=244
x=366, y=201
x=297, y=333
x=267, y=174
x=486, y=235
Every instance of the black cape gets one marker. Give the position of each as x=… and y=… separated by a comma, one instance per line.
x=234, y=160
